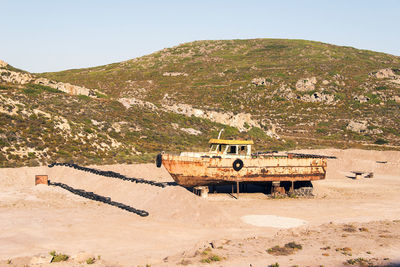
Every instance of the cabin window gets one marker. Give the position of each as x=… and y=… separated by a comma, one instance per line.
x=232, y=150
x=213, y=148
x=221, y=148
x=242, y=150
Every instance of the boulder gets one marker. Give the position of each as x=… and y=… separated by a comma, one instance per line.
x=306, y=84
x=191, y=131
x=361, y=98
x=261, y=81
x=357, y=126
x=384, y=73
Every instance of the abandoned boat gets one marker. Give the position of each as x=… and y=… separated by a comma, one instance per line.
x=232, y=161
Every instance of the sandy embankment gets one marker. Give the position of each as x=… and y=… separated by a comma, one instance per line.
x=36, y=220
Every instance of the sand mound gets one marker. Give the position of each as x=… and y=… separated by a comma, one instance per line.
x=172, y=202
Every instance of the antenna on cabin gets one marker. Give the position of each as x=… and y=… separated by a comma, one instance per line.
x=220, y=132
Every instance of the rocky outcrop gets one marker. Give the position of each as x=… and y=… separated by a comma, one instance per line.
x=392, y=74
x=325, y=82
x=66, y=87
x=174, y=74
x=357, y=126
x=384, y=73
x=128, y=102
x=396, y=99
x=306, y=84
x=362, y=127
x=15, y=77
x=191, y=131
x=361, y=98
x=241, y=121
x=261, y=81
x=25, y=78
x=319, y=97
x=3, y=64
x=286, y=92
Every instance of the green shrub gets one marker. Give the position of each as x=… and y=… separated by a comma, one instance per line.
x=380, y=141
x=340, y=96
x=58, y=257
x=90, y=261
x=211, y=258
x=256, y=132
x=287, y=249
x=30, y=91
x=84, y=97
x=383, y=87
x=41, y=88
x=322, y=130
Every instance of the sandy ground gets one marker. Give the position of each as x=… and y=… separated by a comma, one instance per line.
x=348, y=219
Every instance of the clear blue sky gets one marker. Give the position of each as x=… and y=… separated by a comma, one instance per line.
x=51, y=35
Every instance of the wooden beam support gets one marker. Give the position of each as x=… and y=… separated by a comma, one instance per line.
x=237, y=189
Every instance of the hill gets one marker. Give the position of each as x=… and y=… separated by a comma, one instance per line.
x=284, y=94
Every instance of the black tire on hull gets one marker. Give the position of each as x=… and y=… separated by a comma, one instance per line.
x=237, y=165
x=159, y=160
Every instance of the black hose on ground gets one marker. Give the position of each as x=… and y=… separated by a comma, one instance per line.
x=99, y=198
x=110, y=174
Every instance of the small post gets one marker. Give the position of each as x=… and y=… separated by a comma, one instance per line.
x=292, y=187
x=41, y=179
x=237, y=189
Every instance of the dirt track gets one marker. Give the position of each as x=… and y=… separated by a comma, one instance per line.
x=37, y=219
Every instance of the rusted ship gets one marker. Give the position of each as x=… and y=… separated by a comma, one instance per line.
x=232, y=161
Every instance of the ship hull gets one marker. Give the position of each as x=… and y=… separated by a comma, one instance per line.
x=197, y=171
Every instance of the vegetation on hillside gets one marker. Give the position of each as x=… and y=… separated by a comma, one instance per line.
x=260, y=77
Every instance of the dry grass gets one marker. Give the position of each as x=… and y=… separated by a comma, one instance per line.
x=287, y=249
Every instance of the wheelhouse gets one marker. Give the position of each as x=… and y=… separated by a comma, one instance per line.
x=231, y=147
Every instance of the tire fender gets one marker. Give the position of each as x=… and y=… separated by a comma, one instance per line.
x=159, y=160
x=237, y=165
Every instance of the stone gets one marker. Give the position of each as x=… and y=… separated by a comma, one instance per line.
x=306, y=84
x=396, y=99
x=261, y=81
x=361, y=98
x=375, y=131
x=191, y=131
x=357, y=126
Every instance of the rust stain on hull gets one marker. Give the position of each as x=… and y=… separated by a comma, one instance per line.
x=191, y=171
